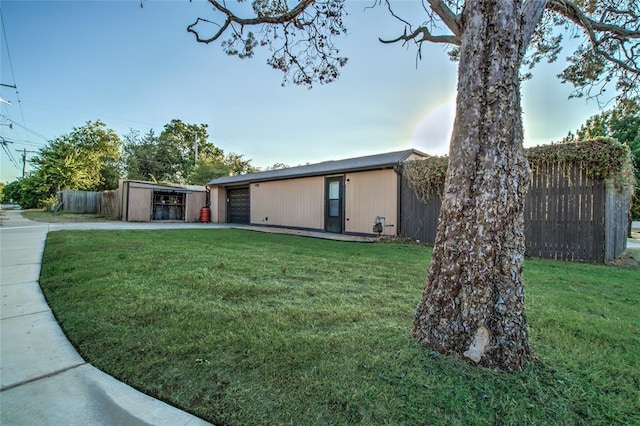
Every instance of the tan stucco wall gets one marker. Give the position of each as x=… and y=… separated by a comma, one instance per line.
x=414, y=157
x=139, y=204
x=213, y=203
x=294, y=202
x=194, y=202
x=124, y=202
x=218, y=199
x=371, y=194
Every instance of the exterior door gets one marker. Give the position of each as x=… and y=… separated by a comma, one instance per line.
x=168, y=206
x=238, y=205
x=334, y=205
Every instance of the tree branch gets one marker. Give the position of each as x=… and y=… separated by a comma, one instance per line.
x=574, y=13
x=426, y=36
x=299, y=37
x=232, y=18
x=612, y=50
x=531, y=15
x=451, y=20
x=217, y=35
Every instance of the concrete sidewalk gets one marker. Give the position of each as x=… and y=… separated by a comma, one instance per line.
x=634, y=243
x=43, y=380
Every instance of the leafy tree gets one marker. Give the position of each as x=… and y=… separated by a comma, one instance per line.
x=102, y=150
x=622, y=123
x=34, y=192
x=473, y=301
x=140, y=160
x=28, y=192
x=170, y=157
x=186, y=138
x=238, y=165
x=207, y=169
x=64, y=165
x=277, y=166
x=11, y=192
x=153, y=158
x=85, y=159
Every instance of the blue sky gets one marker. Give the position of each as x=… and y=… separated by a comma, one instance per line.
x=132, y=67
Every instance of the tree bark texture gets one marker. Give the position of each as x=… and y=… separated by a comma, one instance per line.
x=473, y=302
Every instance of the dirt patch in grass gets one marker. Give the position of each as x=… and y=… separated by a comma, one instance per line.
x=49, y=217
x=629, y=259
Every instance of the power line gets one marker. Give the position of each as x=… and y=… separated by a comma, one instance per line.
x=24, y=142
x=4, y=143
x=13, y=75
x=25, y=128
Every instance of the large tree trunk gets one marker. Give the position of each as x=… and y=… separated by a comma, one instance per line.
x=473, y=302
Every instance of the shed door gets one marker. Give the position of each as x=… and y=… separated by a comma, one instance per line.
x=168, y=205
x=334, y=206
x=238, y=205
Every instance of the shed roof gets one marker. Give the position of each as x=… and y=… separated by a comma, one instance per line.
x=160, y=186
x=369, y=162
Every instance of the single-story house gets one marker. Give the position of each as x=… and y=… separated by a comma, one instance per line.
x=344, y=196
x=154, y=202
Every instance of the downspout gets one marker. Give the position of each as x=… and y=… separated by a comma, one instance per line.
x=127, y=209
x=185, y=204
x=398, y=169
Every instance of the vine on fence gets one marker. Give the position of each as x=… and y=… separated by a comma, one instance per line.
x=427, y=176
x=603, y=159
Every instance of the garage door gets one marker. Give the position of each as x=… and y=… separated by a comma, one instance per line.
x=238, y=205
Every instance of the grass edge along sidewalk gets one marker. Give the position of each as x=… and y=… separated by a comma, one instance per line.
x=240, y=327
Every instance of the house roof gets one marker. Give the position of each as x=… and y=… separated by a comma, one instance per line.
x=369, y=162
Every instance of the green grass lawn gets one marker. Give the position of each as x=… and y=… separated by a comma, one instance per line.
x=240, y=327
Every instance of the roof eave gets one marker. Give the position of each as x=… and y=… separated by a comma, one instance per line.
x=251, y=180
x=303, y=175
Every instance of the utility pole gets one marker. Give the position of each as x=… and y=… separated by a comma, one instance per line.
x=195, y=149
x=24, y=161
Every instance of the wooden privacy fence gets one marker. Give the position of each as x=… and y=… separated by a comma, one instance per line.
x=568, y=215
x=79, y=201
x=418, y=218
x=110, y=204
x=106, y=203
x=571, y=216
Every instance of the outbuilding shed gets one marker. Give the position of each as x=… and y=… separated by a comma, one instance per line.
x=153, y=202
x=344, y=196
